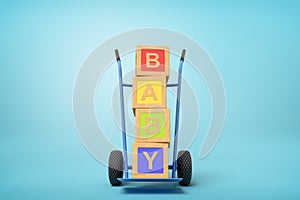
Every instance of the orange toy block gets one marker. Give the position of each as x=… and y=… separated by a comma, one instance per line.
x=152, y=61
x=148, y=92
x=150, y=160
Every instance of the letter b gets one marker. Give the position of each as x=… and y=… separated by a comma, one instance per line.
x=152, y=58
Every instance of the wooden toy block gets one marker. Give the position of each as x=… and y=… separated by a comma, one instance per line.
x=153, y=125
x=152, y=61
x=150, y=160
x=148, y=92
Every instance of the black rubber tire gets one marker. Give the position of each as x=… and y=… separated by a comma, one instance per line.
x=184, y=167
x=115, y=167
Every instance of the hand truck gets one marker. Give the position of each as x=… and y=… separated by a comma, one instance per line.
x=118, y=161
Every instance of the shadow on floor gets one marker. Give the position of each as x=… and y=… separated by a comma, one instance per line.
x=198, y=180
x=153, y=188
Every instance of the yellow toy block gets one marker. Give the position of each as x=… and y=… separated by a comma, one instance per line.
x=150, y=160
x=148, y=92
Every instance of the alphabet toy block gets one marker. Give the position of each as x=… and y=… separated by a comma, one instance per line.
x=152, y=60
x=148, y=92
x=153, y=125
x=150, y=160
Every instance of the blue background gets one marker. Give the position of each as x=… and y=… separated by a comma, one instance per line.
x=255, y=46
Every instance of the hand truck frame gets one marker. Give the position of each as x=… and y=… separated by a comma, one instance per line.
x=118, y=161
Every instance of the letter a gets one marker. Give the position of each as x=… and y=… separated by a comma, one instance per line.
x=152, y=58
x=147, y=94
x=150, y=160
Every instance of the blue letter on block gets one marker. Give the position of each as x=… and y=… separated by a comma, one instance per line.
x=150, y=160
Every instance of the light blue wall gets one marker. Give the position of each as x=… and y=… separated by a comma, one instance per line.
x=255, y=46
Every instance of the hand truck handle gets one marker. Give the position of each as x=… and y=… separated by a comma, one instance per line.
x=182, y=55
x=117, y=55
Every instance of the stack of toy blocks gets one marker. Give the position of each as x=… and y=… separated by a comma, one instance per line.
x=152, y=139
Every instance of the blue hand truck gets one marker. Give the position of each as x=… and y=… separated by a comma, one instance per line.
x=118, y=161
